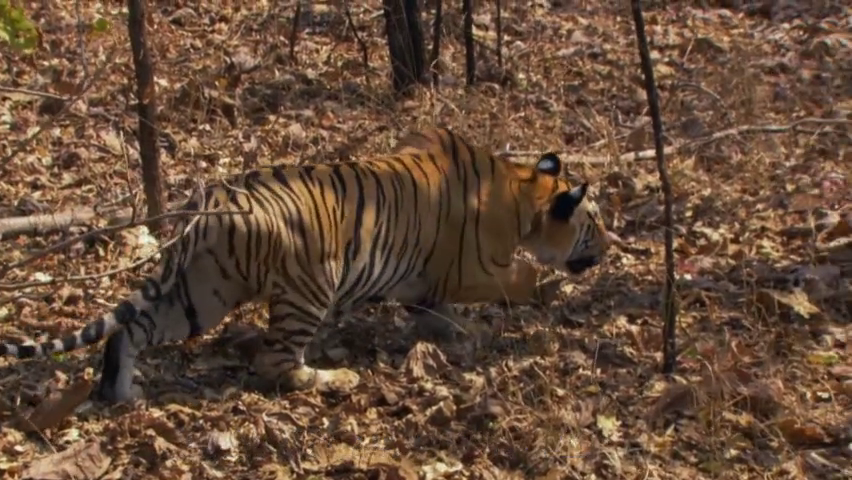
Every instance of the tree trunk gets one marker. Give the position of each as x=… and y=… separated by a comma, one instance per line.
x=405, y=43
x=499, y=25
x=146, y=109
x=469, y=56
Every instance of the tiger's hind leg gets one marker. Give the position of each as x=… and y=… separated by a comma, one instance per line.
x=200, y=298
x=282, y=358
x=116, y=383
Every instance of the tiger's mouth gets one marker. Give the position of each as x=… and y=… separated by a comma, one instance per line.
x=580, y=265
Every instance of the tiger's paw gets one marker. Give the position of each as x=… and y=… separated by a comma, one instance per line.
x=339, y=380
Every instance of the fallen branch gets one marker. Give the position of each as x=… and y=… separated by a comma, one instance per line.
x=41, y=224
x=677, y=148
x=7, y=287
x=32, y=93
x=103, y=231
x=45, y=223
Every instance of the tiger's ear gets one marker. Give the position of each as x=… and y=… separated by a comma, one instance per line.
x=565, y=203
x=549, y=164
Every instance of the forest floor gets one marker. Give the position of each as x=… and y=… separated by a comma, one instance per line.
x=762, y=191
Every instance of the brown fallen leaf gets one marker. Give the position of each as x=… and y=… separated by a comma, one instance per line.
x=425, y=360
x=59, y=405
x=801, y=434
x=482, y=414
x=543, y=343
x=81, y=461
x=841, y=228
x=388, y=394
x=274, y=471
x=396, y=472
x=776, y=303
x=155, y=449
x=221, y=443
x=761, y=398
x=841, y=372
x=443, y=413
x=677, y=397
x=163, y=427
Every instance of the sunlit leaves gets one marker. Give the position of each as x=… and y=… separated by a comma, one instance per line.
x=16, y=28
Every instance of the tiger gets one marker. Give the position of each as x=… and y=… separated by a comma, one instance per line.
x=436, y=221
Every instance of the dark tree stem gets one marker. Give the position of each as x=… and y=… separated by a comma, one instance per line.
x=294, y=31
x=405, y=43
x=469, y=55
x=669, y=305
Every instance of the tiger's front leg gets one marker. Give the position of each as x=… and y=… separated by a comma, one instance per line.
x=516, y=285
x=282, y=358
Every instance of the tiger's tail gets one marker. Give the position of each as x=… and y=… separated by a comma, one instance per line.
x=91, y=334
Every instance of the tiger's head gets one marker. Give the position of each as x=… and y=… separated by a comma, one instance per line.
x=566, y=231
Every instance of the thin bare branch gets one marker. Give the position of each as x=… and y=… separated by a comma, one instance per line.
x=365, y=53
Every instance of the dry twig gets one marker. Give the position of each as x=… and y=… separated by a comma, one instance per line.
x=436, y=44
x=34, y=93
x=81, y=38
